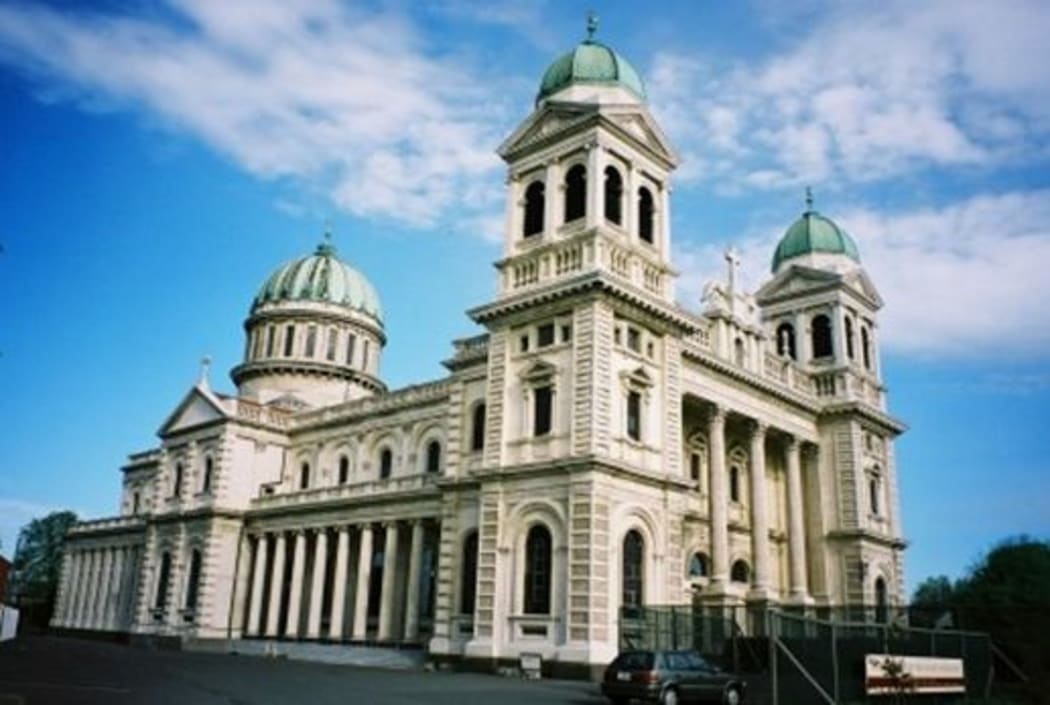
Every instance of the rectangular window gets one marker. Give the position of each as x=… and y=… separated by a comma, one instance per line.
x=270, y=335
x=634, y=340
x=541, y=422
x=332, y=338
x=634, y=416
x=289, y=340
x=135, y=503
x=545, y=335
x=350, y=340
x=566, y=333
x=524, y=342
x=694, y=466
x=364, y=356
x=311, y=340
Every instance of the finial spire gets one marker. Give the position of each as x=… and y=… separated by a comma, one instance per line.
x=592, y=25
x=205, y=370
x=809, y=199
x=326, y=247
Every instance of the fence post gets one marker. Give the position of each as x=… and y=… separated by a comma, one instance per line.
x=834, y=662
x=774, y=631
x=674, y=628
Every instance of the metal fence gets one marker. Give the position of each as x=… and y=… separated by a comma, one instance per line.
x=806, y=655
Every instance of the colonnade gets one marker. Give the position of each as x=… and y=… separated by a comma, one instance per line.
x=761, y=578
x=281, y=604
x=97, y=587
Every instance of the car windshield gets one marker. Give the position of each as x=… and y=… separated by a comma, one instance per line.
x=634, y=661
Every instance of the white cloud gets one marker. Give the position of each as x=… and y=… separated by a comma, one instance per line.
x=350, y=103
x=868, y=92
x=964, y=280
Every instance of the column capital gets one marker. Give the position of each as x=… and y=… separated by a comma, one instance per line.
x=717, y=414
x=792, y=442
x=758, y=427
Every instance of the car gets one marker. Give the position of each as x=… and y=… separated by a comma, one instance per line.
x=669, y=678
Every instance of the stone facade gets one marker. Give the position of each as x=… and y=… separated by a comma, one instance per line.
x=597, y=447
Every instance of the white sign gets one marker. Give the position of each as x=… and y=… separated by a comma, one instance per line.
x=885, y=674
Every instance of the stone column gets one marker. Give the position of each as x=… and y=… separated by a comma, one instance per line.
x=342, y=551
x=389, y=584
x=94, y=578
x=595, y=185
x=796, y=534
x=551, y=193
x=273, y=619
x=719, y=510
x=364, y=579
x=415, y=562
x=663, y=220
x=313, y=624
x=69, y=595
x=84, y=588
x=759, y=512
x=258, y=580
x=295, y=594
x=116, y=590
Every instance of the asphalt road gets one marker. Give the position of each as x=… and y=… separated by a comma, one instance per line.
x=46, y=670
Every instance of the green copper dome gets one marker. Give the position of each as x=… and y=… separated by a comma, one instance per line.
x=812, y=232
x=323, y=278
x=591, y=63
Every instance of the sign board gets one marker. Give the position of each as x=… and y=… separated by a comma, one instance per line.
x=531, y=665
x=886, y=674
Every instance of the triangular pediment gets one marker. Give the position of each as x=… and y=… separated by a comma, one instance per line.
x=556, y=120
x=197, y=408
x=798, y=280
x=542, y=124
x=539, y=370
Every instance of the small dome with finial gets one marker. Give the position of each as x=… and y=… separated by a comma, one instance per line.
x=323, y=278
x=814, y=233
x=590, y=63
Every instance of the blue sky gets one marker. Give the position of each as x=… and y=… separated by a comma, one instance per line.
x=158, y=160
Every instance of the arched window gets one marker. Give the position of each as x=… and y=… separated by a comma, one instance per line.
x=477, y=428
x=193, y=581
x=206, y=480
x=350, y=340
x=333, y=338
x=135, y=499
x=271, y=335
x=698, y=565
x=613, y=195
x=865, y=347
x=344, y=469
x=786, y=341
x=433, y=457
x=176, y=485
x=304, y=476
x=694, y=466
x=634, y=415
x=535, y=204
x=542, y=410
x=740, y=572
x=738, y=352
x=821, y=326
x=874, y=492
x=633, y=575
x=163, y=577
x=311, y=341
x=538, y=571
x=469, y=574
x=646, y=214
x=289, y=340
x=386, y=463
x=734, y=483
x=849, y=337
x=575, y=193
x=880, y=601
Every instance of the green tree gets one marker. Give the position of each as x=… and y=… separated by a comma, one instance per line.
x=37, y=565
x=934, y=591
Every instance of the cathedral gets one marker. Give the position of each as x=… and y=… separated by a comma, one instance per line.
x=596, y=448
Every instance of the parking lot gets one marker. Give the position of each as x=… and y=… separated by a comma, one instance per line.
x=44, y=670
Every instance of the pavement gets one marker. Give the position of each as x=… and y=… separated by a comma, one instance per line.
x=41, y=670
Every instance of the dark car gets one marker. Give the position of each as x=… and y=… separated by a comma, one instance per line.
x=669, y=677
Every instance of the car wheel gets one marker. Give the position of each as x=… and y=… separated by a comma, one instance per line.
x=670, y=697
x=732, y=697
